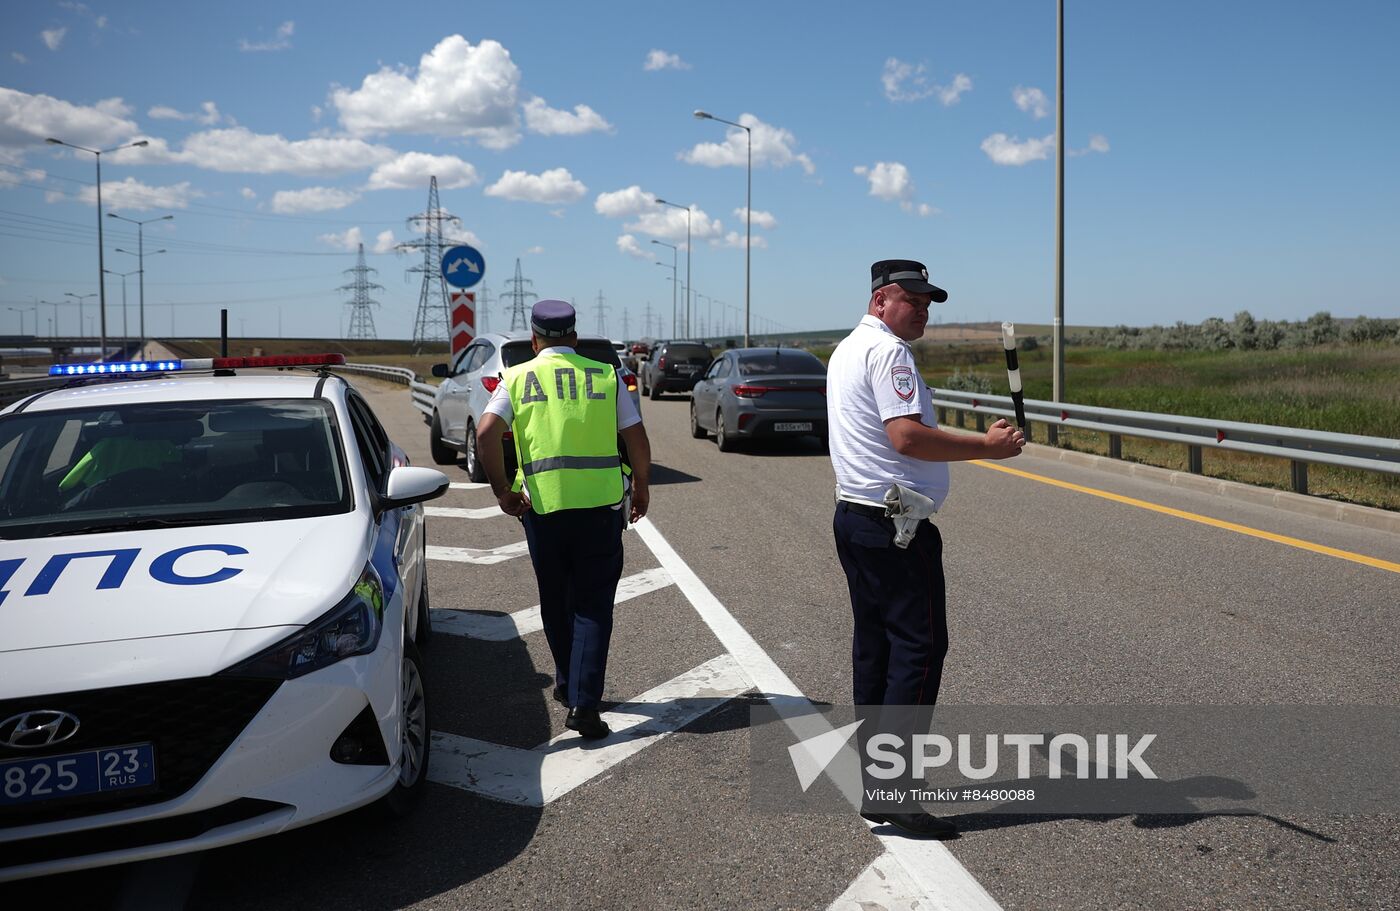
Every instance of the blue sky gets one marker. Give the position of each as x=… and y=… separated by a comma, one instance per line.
x=1224, y=156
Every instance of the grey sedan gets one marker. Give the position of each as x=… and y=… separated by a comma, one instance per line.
x=759, y=392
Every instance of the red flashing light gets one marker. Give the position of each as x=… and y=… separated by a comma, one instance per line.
x=277, y=360
x=490, y=382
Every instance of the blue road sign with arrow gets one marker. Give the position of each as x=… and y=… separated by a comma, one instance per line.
x=463, y=266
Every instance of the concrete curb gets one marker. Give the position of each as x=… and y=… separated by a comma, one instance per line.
x=1315, y=507
x=1349, y=513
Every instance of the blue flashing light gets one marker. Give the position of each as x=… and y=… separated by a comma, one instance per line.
x=110, y=367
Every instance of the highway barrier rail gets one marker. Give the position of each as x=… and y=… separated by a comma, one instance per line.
x=12, y=391
x=1300, y=447
x=421, y=394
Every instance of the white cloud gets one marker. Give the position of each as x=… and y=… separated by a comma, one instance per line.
x=1097, y=143
x=735, y=240
x=535, y=250
x=650, y=217
x=238, y=150
x=628, y=244
x=131, y=195
x=209, y=114
x=345, y=240
x=909, y=82
x=53, y=37
x=771, y=146
x=661, y=60
x=1031, y=100
x=248, y=193
x=311, y=199
x=384, y=242
x=553, y=186
x=547, y=121
x=29, y=119
x=280, y=41
x=9, y=179
x=949, y=94
x=761, y=219
x=411, y=171
x=1005, y=150
x=17, y=57
x=558, y=213
x=890, y=181
x=459, y=91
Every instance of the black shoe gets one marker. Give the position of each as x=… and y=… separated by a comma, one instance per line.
x=588, y=723
x=922, y=825
x=561, y=695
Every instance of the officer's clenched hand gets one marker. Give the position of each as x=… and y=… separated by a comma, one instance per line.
x=641, y=499
x=1003, y=441
x=513, y=503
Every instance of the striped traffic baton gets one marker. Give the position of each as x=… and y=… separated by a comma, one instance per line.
x=1013, y=373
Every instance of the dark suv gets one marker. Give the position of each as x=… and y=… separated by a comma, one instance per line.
x=674, y=367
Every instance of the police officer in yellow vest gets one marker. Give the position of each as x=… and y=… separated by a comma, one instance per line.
x=566, y=415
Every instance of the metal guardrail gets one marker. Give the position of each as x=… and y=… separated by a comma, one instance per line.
x=12, y=391
x=422, y=394
x=1300, y=447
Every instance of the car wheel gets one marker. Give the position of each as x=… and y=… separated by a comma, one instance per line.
x=415, y=737
x=423, y=635
x=645, y=388
x=476, y=473
x=655, y=392
x=725, y=442
x=696, y=431
x=442, y=453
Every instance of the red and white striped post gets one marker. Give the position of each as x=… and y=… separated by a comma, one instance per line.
x=463, y=321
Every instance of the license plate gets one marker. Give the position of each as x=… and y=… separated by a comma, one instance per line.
x=687, y=369
x=797, y=426
x=72, y=774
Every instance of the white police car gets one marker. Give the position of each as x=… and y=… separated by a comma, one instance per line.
x=211, y=584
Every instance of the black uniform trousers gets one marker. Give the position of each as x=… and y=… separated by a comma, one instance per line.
x=899, y=607
x=577, y=555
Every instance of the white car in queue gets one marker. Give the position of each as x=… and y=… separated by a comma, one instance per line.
x=470, y=380
x=212, y=580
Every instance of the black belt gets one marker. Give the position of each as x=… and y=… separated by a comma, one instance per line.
x=874, y=512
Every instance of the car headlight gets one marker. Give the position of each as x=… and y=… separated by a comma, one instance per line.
x=352, y=627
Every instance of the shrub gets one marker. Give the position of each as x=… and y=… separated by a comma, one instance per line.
x=967, y=382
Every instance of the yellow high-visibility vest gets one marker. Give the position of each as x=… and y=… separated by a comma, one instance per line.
x=565, y=427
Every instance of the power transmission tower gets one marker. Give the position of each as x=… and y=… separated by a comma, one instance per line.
x=646, y=320
x=626, y=324
x=518, y=319
x=434, y=304
x=483, y=309
x=602, y=315
x=361, y=316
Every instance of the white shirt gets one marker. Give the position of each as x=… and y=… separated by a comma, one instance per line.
x=871, y=378
x=626, y=410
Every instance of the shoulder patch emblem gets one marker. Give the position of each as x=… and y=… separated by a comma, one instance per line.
x=903, y=379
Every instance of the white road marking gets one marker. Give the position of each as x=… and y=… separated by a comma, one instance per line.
x=551, y=770
x=483, y=556
x=502, y=627
x=453, y=512
x=943, y=882
x=885, y=885
x=464, y=485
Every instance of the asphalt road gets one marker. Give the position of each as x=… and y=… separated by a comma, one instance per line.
x=1055, y=597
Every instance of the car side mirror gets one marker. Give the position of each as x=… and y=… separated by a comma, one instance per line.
x=410, y=484
x=441, y=370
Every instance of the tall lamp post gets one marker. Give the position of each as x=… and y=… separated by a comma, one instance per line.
x=748, y=212
x=141, y=258
x=674, y=285
x=79, y=298
x=662, y=202
x=1058, y=391
x=101, y=266
x=126, y=338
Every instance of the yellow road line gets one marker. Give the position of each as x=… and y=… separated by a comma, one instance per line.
x=1204, y=520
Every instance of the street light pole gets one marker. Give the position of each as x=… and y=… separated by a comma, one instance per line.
x=141, y=258
x=101, y=266
x=687, y=263
x=674, y=285
x=79, y=298
x=126, y=338
x=748, y=212
x=1058, y=392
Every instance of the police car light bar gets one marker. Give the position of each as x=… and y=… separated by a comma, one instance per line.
x=271, y=360
x=111, y=367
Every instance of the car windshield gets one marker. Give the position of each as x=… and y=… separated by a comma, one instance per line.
x=168, y=464
x=690, y=353
x=782, y=360
x=518, y=352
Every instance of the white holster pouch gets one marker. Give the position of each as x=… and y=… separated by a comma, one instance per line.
x=907, y=508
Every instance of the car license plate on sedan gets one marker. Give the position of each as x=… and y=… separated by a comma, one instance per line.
x=687, y=369
x=794, y=426
x=51, y=777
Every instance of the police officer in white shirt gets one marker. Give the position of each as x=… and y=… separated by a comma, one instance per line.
x=883, y=433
